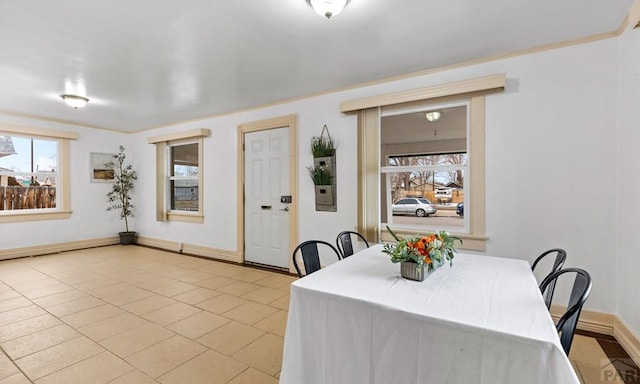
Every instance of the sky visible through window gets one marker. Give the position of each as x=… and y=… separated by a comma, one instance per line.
x=44, y=156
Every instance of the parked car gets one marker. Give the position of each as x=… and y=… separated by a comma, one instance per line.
x=460, y=209
x=418, y=206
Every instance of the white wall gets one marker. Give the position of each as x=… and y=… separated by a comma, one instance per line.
x=551, y=162
x=88, y=200
x=551, y=168
x=628, y=176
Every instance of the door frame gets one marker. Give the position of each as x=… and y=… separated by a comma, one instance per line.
x=290, y=122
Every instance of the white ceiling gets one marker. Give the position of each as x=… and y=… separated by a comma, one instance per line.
x=146, y=63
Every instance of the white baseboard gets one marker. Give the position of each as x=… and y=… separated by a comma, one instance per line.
x=590, y=321
x=173, y=246
x=46, y=249
x=191, y=249
x=628, y=338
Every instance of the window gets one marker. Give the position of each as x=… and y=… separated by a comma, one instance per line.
x=184, y=179
x=179, y=176
x=472, y=92
x=34, y=174
x=426, y=160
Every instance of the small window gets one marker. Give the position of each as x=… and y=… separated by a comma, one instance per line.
x=184, y=178
x=179, y=176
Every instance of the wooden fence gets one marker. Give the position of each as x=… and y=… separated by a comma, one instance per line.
x=33, y=197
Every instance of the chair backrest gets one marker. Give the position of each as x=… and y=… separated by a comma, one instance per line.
x=345, y=244
x=310, y=255
x=561, y=256
x=566, y=325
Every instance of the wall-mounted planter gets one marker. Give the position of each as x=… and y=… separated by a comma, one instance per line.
x=323, y=172
x=326, y=194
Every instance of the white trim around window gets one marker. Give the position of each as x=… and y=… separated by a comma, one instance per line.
x=62, y=209
x=369, y=110
x=164, y=178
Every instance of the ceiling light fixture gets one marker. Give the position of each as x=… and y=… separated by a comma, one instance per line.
x=433, y=116
x=75, y=101
x=328, y=8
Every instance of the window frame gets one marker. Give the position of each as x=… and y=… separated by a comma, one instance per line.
x=163, y=145
x=368, y=111
x=63, y=182
x=170, y=177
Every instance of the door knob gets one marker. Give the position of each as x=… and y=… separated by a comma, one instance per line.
x=286, y=209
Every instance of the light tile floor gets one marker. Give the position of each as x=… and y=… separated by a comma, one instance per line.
x=139, y=315
x=135, y=315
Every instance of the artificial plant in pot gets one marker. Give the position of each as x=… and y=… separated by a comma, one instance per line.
x=320, y=175
x=322, y=146
x=119, y=197
x=322, y=179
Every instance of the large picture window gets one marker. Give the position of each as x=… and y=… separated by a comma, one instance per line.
x=34, y=174
x=423, y=168
x=465, y=163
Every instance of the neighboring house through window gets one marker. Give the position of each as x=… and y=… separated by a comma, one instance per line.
x=179, y=176
x=184, y=177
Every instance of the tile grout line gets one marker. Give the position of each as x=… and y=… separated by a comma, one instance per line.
x=15, y=365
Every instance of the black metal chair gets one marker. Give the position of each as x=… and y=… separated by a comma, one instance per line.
x=567, y=323
x=345, y=244
x=561, y=257
x=310, y=256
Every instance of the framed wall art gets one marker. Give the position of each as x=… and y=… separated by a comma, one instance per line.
x=100, y=172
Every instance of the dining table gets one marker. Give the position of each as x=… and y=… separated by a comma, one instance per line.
x=479, y=320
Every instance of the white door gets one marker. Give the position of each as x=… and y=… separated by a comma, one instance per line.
x=266, y=182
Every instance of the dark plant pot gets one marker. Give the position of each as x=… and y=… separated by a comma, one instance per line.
x=127, y=238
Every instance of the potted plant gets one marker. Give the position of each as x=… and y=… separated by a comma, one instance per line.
x=119, y=197
x=320, y=175
x=323, y=149
x=420, y=252
x=322, y=146
x=322, y=179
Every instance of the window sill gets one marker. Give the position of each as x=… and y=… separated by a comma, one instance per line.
x=184, y=217
x=469, y=242
x=18, y=216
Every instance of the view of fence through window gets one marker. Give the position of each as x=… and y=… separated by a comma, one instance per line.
x=423, y=168
x=28, y=173
x=184, y=178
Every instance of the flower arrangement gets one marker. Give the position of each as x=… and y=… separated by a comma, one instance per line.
x=430, y=250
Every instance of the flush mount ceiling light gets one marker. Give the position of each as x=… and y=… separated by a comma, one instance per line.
x=328, y=8
x=433, y=116
x=75, y=101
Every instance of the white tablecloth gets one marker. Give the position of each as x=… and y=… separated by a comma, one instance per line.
x=481, y=321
